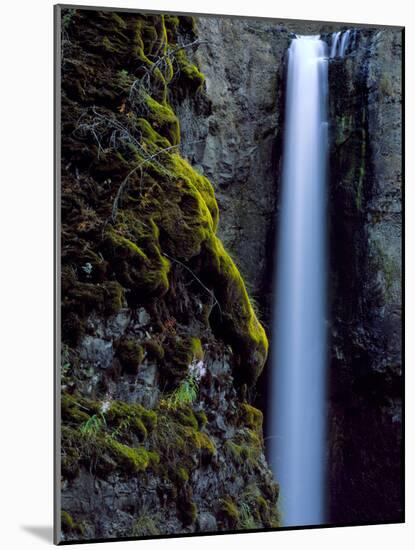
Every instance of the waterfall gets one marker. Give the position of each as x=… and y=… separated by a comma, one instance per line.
x=335, y=39
x=340, y=51
x=296, y=438
x=344, y=43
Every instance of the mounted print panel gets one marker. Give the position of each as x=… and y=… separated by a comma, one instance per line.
x=228, y=251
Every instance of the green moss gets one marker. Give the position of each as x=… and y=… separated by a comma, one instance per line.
x=204, y=443
x=186, y=417
x=108, y=45
x=167, y=211
x=145, y=526
x=201, y=418
x=140, y=429
x=263, y=509
x=190, y=77
x=75, y=409
x=124, y=80
x=131, y=355
x=179, y=354
x=131, y=460
x=114, y=297
x=182, y=170
x=178, y=476
x=134, y=251
x=247, y=519
x=255, y=510
x=83, y=297
x=228, y=511
x=150, y=136
x=163, y=120
x=252, y=417
x=172, y=21
x=244, y=449
x=118, y=20
x=149, y=419
x=196, y=348
x=154, y=349
x=187, y=507
x=234, y=451
x=189, y=72
x=239, y=322
x=192, y=512
x=71, y=453
x=102, y=449
x=132, y=418
x=68, y=524
x=182, y=474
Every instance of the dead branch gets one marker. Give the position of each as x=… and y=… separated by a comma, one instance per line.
x=210, y=292
x=133, y=171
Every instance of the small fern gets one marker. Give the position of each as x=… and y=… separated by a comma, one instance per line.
x=93, y=425
x=185, y=394
x=246, y=519
x=123, y=426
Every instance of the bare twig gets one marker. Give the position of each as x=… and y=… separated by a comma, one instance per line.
x=127, y=177
x=210, y=292
x=144, y=82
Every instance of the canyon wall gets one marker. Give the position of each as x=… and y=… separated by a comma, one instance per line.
x=239, y=138
x=167, y=272
x=366, y=235
x=160, y=341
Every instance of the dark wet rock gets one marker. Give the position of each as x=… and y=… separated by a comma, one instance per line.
x=97, y=352
x=366, y=363
x=236, y=139
x=138, y=349
x=207, y=522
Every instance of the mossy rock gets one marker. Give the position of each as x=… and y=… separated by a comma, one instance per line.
x=75, y=409
x=180, y=352
x=132, y=417
x=145, y=526
x=131, y=355
x=236, y=320
x=131, y=460
x=252, y=417
x=154, y=349
x=136, y=258
x=68, y=525
x=163, y=120
x=132, y=205
x=201, y=418
x=186, y=417
x=187, y=508
x=228, y=512
x=189, y=72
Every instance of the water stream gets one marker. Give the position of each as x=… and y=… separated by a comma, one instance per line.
x=297, y=432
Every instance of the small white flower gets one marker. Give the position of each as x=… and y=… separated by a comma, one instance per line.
x=105, y=406
x=197, y=369
x=87, y=268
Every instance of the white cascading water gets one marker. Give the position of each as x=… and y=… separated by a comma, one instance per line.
x=335, y=40
x=344, y=43
x=339, y=49
x=296, y=436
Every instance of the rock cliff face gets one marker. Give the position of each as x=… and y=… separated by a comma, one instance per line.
x=159, y=337
x=162, y=347
x=236, y=139
x=241, y=136
x=366, y=223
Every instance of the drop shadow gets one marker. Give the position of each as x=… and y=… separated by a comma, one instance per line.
x=42, y=532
